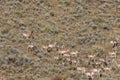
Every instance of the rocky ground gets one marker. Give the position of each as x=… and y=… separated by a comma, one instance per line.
x=59, y=39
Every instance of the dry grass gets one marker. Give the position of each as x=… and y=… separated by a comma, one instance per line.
x=59, y=40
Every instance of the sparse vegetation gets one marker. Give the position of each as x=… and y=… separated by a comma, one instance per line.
x=98, y=20
x=59, y=40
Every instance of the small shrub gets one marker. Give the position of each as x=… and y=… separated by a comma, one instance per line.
x=99, y=20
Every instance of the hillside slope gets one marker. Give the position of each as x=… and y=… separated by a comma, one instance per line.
x=59, y=39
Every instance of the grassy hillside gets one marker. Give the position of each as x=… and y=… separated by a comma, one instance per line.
x=59, y=39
